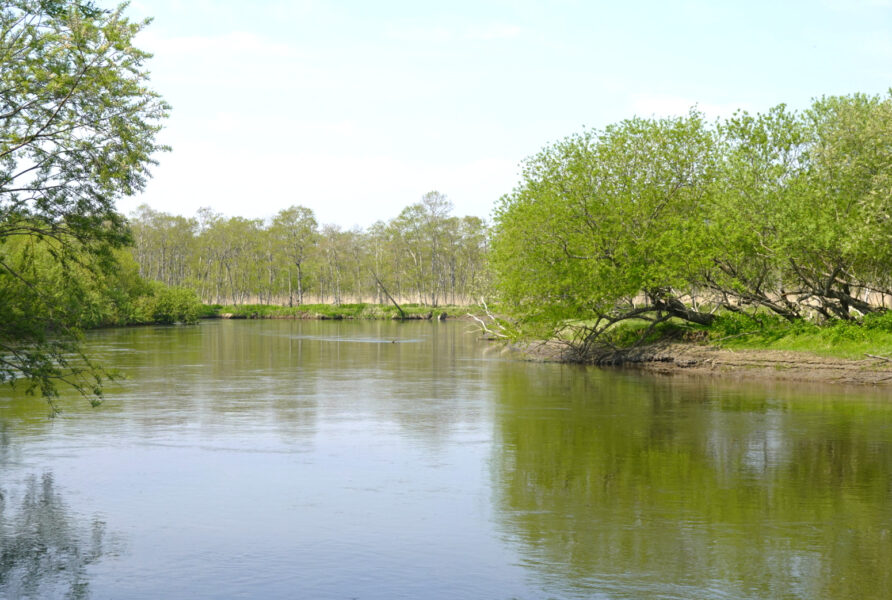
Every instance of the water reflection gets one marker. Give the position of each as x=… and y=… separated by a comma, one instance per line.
x=637, y=488
x=44, y=549
x=288, y=458
x=288, y=377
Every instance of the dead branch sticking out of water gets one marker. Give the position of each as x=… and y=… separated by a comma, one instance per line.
x=498, y=332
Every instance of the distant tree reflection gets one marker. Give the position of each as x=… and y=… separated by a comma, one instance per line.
x=44, y=551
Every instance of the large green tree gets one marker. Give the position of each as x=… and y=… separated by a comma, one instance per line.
x=676, y=218
x=295, y=230
x=803, y=211
x=608, y=225
x=78, y=129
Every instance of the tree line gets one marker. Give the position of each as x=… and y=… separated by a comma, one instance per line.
x=783, y=213
x=424, y=255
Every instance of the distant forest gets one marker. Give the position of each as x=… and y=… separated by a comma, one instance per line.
x=423, y=255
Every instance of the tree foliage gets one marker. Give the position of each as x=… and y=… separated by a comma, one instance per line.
x=294, y=233
x=652, y=219
x=77, y=132
x=423, y=255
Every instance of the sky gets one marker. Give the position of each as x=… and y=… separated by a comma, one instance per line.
x=356, y=109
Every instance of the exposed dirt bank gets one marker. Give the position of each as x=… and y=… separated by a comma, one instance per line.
x=695, y=359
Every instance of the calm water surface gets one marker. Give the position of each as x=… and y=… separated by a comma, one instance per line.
x=310, y=459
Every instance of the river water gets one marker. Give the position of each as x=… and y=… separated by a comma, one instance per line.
x=380, y=460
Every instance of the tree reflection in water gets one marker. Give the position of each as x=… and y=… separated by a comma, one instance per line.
x=643, y=488
x=44, y=551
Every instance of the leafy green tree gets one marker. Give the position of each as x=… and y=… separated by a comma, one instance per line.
x=163, y=245
x=803, y=214
x=470, y=278
x=657, y=219
x=296, y=230
x=845, y=250
x=241, y=250
x=77, y=132
x=607, y=226
x=332, y=255
x=764, y=170
x=420, y=231
x=378, y=248
x=212, y=249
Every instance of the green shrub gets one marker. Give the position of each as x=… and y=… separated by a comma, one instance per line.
x=729, y=324
x=878, y=321
x=167, y=305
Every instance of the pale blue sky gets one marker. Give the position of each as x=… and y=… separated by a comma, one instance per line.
x=356, y=109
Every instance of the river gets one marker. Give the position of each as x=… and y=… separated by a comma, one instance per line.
x=382, y=460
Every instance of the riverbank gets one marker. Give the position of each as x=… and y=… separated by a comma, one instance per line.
x=672, y=358
x=728, y=358
x=334, y=312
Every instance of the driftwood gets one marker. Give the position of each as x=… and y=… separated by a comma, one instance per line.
x=492, y=318
x=389, y=297
x=885, y=358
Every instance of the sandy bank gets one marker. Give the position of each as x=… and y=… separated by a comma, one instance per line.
x=694, y=359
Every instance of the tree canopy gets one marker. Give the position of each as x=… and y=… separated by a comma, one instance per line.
x=649, y=219
x=423, y=255
x=78, y=127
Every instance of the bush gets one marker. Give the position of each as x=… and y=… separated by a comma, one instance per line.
x=167, y=305
x=729, y=324
x=878, y=321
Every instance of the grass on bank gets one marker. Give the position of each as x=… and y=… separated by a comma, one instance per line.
x=842, y=339
x=329, y=311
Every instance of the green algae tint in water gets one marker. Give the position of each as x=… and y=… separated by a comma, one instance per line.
x=303, y=459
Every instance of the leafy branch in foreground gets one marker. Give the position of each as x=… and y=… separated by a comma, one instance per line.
x=77, y=132
x=46, y=299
